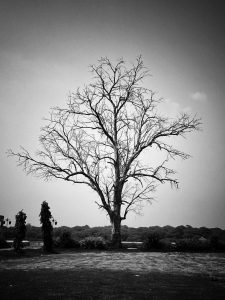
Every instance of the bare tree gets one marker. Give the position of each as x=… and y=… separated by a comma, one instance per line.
x=99, y=138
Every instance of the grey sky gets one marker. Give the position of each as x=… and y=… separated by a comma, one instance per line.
x=45, y=50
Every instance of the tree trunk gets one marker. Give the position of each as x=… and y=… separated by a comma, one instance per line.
x=116, y=232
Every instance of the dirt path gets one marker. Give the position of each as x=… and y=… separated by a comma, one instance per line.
x=183, y=263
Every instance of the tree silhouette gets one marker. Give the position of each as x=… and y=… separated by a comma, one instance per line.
x=20, y=231
x=45, y=219
x=100, y=137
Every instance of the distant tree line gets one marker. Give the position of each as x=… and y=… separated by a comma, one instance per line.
x=140, y=234
x=128, y=233
x=154, y=238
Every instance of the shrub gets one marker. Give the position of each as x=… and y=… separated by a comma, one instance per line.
x=65, y=241
x=152, y=242
x=192, y=245
x=216, y=244
x=3, y=243
x=92, y=242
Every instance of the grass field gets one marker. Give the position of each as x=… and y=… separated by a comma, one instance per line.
x=112, y=275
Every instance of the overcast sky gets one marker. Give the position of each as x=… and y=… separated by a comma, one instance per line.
x=45, y=50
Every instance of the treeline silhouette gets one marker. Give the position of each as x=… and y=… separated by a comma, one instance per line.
x=180, y=238
x=128, y=233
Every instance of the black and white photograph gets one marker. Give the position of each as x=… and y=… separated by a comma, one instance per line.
x=112, y=153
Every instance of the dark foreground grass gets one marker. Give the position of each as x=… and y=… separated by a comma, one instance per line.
x=102, y=284
x=10, y=253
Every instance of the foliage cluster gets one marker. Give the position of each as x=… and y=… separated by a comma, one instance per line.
x=141, y=234
x=66, y=241
x=93, y=243
x=20, y=230
x=47, y=229
x=194, y=244
x=155, y=238
x=152, y=242
x=3, y=243
x=34, y=233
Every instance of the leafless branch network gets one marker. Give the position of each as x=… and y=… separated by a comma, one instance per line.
x=99, y=137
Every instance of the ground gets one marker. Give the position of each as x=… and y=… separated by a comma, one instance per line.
x=113, y=275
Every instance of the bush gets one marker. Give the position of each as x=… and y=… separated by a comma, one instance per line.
x=3, y=243
x=91, y=242
x=152, y=242
x=216, y=244
x=192, y=245
x=65, y=241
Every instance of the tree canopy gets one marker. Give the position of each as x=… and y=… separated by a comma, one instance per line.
x=99, y=137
